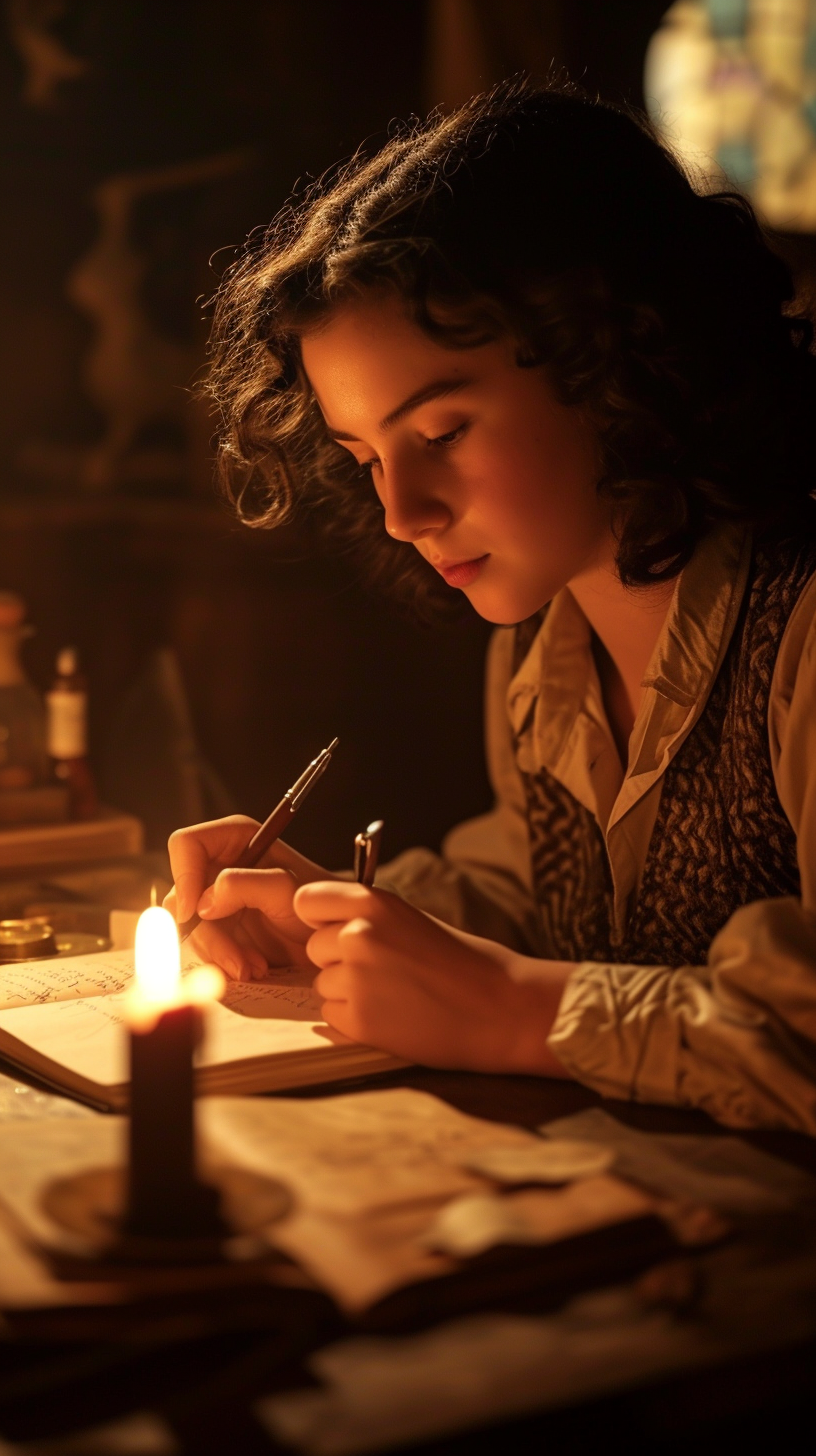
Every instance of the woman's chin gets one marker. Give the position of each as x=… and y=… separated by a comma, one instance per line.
x=503, y=609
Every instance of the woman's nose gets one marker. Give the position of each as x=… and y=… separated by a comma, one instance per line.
x=413, y=509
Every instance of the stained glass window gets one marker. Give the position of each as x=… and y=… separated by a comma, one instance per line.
x=732, y=86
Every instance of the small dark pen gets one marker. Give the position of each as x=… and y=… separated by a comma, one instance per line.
x=273, y=827
x=367, y=853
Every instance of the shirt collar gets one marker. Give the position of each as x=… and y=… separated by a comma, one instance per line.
x=701, y=617
x=552, y=680
x=554, y=700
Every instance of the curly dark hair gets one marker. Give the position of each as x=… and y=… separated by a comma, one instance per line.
x=562, y=222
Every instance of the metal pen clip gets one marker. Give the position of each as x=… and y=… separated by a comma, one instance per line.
x=367, y=853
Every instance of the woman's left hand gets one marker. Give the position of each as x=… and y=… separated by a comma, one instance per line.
x=393, y=977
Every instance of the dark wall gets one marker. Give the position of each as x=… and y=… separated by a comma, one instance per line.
x=604, y=45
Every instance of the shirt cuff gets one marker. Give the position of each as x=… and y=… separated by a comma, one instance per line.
x=612, y=1031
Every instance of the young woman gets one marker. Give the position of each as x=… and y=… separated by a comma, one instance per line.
x=516, y=355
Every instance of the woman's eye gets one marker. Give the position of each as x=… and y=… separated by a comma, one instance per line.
x=365, y=467
x=449, y=438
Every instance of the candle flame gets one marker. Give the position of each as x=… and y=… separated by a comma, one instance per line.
x=158, y=957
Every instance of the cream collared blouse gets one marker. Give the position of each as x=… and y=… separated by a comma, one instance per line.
x=735, y=1037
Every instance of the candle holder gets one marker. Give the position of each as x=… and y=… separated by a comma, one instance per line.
x=92, y=1208
x=159, y=1210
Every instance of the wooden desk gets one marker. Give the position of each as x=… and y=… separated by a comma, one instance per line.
x=529, y=1101
x=204, y=1376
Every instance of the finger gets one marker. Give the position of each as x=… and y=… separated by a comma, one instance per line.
x=252, y=931
x=332, y=983
x=343, y=1016
x=327, y=902
x=343, y=948
x=240, y=962
x=199, y=849
x=356, y=939
x=323, y=947
x=270, y=891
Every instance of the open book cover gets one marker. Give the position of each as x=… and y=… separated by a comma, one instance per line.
x=62, y=1021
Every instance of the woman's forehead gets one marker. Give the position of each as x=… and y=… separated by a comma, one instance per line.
x=368, y=361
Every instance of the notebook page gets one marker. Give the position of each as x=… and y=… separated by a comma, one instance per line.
x=31, y=983
x=255, y=1020
x=65, y=978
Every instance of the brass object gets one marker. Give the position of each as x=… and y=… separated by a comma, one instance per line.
x=35, y=939
x=77, y=943
x=26, y=940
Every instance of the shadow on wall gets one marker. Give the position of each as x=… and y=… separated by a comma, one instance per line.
x=153, y=766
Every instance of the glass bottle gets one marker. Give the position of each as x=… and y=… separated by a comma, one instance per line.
x=67, y=704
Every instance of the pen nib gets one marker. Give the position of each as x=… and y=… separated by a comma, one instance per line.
x=307, y=780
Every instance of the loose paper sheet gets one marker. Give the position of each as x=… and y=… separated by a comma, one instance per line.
x=352, y=1154
x=476, y=1222
x=376, y=1393
x=369, y=1173
x=725, y=1173
x=51, y=1149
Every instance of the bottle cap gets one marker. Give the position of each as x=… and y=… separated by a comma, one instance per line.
x=67, y=661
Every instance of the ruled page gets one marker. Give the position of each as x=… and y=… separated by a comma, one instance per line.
x=85, y=1033
x=65, y=978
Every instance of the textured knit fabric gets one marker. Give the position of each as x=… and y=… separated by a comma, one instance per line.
x=721, y=838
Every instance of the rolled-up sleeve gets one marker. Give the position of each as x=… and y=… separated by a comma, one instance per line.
x=482, y=880
x=736, y=1037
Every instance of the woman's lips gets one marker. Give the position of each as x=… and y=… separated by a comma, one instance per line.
x=461, y=573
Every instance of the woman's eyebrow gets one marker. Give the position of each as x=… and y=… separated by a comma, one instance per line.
x=436, y=390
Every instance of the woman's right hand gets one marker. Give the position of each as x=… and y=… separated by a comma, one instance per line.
x=251, y=923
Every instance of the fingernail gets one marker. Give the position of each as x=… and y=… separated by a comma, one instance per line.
x=205, y=904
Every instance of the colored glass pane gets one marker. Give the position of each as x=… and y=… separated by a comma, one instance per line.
x=731, y=84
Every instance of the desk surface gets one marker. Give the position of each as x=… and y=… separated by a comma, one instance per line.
x=205, y=1384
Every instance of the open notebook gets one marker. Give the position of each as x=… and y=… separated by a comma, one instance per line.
x=62, y=1021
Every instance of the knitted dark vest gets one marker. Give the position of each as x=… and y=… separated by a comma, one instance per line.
x=721, y=838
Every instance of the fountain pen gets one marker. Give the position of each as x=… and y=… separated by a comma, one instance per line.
x=273, y=827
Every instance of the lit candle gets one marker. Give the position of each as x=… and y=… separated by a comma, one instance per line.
x=165, y=1198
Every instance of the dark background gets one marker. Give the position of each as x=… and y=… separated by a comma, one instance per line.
x=279, y=645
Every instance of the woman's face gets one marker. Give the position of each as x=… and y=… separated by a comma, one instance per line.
x=474, y=460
